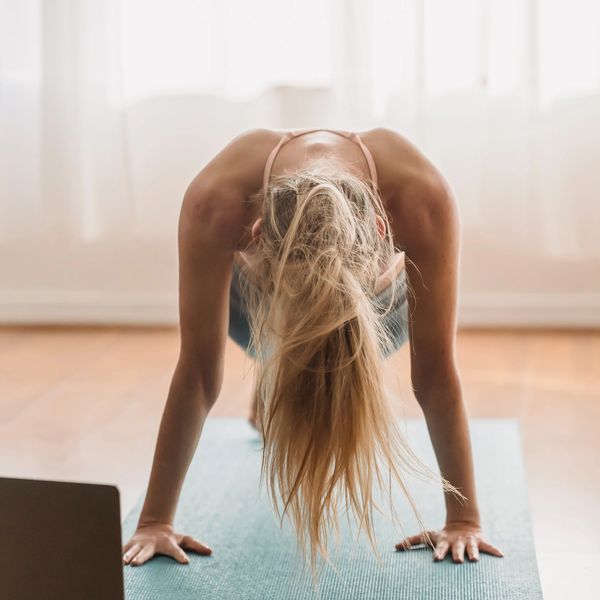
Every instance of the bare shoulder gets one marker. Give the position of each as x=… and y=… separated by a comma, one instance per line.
x=214, y=200
x=400, y=163
x=238, y=165
x=419, y=196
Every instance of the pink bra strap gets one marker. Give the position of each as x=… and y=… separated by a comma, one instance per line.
x=368, y=156
x=267, y=172
x=297, y=132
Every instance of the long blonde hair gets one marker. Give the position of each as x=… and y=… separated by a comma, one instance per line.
x=319, y=338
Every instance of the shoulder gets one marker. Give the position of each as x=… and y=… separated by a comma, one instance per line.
x=239, y=163
x=421, y=199
x=215, y=198
x=401, y=163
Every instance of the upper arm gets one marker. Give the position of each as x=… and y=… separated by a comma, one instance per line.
x=210, y=227
x=432, y=253
x=205, y=269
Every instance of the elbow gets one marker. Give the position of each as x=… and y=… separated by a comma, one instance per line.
x=201, y=388
x=437, y=387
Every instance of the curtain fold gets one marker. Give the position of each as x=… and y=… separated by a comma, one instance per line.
x=108, y=108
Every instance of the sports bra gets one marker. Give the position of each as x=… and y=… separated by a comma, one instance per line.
x=393, y=271
x=351, y=135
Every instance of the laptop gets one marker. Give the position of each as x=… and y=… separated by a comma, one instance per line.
x=60, y=540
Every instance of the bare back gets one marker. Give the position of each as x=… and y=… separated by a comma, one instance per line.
x=239, y=169
x=217, y=216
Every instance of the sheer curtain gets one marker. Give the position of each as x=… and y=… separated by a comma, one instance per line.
x=109, y=107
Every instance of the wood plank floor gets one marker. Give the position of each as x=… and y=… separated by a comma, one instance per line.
x=84, y=404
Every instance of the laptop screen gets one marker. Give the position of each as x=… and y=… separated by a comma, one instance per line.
x=60, y=539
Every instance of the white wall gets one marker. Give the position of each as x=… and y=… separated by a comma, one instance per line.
x=509, y=275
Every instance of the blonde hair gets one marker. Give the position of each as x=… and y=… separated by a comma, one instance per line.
x=322, y=406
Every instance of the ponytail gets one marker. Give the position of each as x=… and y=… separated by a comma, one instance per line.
x=322, y=406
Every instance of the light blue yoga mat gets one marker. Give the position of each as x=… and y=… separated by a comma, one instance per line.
x=253, y=558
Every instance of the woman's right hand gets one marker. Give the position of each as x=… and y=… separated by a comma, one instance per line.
x=160, y=538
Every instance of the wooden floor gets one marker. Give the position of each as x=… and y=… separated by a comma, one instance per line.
x=84, y=404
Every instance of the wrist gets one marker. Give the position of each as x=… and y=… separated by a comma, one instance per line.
x=463, y=513
x=466, y=516
x=145, y=521
x=463, y=520
x=155, y=514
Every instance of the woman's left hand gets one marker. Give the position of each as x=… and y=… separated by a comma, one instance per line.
x=454, y=538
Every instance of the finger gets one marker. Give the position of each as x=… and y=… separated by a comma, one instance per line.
x=472, y=549
x=189, y=543
x=485, y=547
x=414, y=540
x=128, y=545
x=430, y=539
x=178, y=554
x=441, y=550
x=130, y=553
x=143, y=555
x=458, y=551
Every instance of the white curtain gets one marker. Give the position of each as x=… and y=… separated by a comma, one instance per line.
x=108, y=108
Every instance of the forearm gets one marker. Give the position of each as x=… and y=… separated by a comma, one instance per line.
x=447, y=422
x=180, y=428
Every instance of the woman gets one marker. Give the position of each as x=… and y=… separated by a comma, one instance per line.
x=288, y=242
